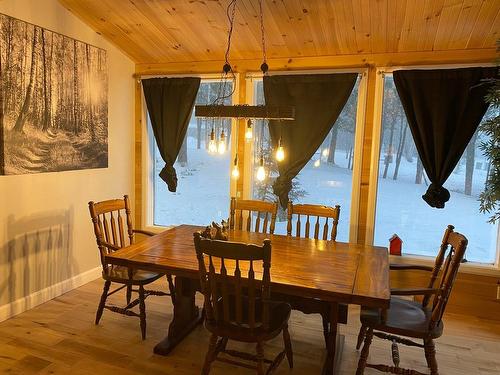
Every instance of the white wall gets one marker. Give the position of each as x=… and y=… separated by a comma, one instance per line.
x=47, y=244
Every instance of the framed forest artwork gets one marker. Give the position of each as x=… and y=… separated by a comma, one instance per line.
x=53, y=101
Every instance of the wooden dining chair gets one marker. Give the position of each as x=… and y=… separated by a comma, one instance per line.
x=113, y=230
x=325, y=220
x=414, y=319
x=239, y=308
x=242, y=214
x=324, y=217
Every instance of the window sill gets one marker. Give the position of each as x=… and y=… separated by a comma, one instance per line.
x=469, y=267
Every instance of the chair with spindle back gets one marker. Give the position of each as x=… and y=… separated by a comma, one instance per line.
x=329, y=216
x=113, y=230
x=238, y=307
x=325, y=220
x=415, y=319
x=242, y=210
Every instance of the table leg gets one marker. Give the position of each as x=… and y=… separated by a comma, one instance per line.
x=186, y=315
x=335, y=343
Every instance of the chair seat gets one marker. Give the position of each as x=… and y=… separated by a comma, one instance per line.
x=404, y=317
x=119, y=274
x=279, y=313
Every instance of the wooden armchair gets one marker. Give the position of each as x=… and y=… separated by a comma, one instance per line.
x=113, y=230
x=417, y=320
x=327, y=219
x=323, y=216
x=239, y=308
x=242, y=210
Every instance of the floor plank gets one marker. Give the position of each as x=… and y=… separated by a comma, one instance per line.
x=59, y=337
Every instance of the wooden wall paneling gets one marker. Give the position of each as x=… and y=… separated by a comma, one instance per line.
x=489, y=11
x=170, y=27
x=248, y=14
x=447, y=23
x=344, y=26
x=298, y=17
x=143, y=31
x=112, y=32
x=183, y=18
x=242, y=99
x=316, y=16
x=412, y=26
x=466, y=21
x=473, y=295
x=431, y=16
x=138, y=171
x=326, y=62
x=494, y=35
x=285, y=28
x=366, y=154
x=378, y=12
x=362, y=25
x=180, y=31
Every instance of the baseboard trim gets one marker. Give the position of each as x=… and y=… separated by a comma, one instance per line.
x=37, y=298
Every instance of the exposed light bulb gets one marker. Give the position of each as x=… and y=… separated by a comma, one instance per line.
x=249, y=131
x=326, y=152
x=212, y=147
x=317, y=163
x=236, y=171
x=280, y=152
x=221, y=148
x=261, y=172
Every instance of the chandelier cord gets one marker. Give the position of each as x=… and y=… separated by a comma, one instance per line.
x=262, y=32
x=221, y=92
x=230, y=12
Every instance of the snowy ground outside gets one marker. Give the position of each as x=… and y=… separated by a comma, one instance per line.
x=203, y=196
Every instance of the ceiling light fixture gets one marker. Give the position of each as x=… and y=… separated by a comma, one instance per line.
x=220, y=110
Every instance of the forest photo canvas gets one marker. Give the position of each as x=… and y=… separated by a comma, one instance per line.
x=53, y=101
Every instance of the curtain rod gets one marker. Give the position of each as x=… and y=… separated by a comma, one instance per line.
x=139, y=76
x=389, y=70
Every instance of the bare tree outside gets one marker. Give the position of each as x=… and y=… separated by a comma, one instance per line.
x=53, y=101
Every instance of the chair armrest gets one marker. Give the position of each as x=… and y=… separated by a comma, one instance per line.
x=418, y=267
x=145, y=232
x=110, y=246
x=414, y=292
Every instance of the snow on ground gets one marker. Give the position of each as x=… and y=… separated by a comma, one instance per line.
x=203, y=196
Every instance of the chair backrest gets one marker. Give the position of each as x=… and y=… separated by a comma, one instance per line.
x=323, y=217
x=221, y=264
x=112, y=224
x=445, y=271
x=241, y=215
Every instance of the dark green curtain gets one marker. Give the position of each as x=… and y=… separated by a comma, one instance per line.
x=318, y=100
x=444, y=108
x=170, y=102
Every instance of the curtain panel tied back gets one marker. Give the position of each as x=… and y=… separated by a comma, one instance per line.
x=443, y=107
x=318, y=100
x=170, y=102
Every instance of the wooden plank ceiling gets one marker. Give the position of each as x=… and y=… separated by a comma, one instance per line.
x=163, y=31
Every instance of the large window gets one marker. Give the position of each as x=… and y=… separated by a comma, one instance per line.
x=327, y=177
x=202, y=194
x=402, y=181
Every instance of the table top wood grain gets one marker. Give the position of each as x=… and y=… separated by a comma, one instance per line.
x=332, y=271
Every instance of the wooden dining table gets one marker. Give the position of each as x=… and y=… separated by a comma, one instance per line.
x=334, y=272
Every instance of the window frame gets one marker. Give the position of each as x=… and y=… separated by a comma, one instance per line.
x=381, y=72
x=253, y=77
x=147, y=152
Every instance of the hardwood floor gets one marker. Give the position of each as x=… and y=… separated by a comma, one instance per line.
x=59, y=337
